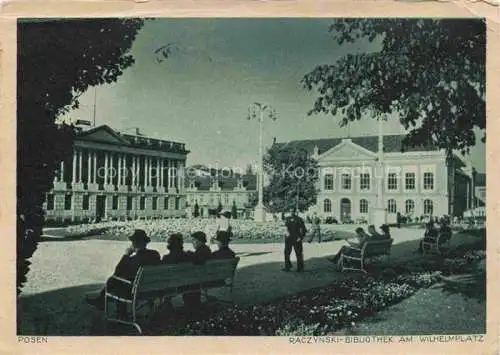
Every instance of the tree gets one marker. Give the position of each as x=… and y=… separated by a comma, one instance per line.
x=429, y=71
x=196, y=212
x=57, y=62
x=292, y=179
x=234, y=210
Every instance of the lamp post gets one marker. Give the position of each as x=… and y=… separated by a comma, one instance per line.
x=259, y=110
x=304, y=152
x=379, y=215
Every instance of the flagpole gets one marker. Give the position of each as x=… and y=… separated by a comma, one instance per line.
x=95, y=97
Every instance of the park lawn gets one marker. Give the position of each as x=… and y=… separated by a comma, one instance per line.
x=428, y=311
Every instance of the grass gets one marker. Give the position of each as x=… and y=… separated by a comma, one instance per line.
x=428, y=311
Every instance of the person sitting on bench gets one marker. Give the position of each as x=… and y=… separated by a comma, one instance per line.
x=430, y=235
x=135, y=256
x=224, y=252
x=362, y=237
x=376, y=235
x=201, y=254
x=176, y=255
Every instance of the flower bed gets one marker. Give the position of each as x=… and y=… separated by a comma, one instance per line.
x=315, y=312
x=85, y=230
x=160, y=229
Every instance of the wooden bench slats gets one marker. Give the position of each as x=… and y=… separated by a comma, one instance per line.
x=173, y=276
x=372, y=248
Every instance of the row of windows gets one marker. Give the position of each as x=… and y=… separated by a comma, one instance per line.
x=392, y=181
x=391, y=206
x=114, y=202
x=214, y=199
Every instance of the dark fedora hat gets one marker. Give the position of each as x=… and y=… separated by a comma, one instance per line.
x=139, y=236
x=175, y=238
x=223, y=236
x=201, y=236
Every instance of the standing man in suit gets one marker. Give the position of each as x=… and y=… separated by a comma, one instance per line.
x=296, y=233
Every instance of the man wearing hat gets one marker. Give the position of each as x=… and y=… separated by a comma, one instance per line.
x=175, y=245
x=135, y=256
x=296, y=232
x=201, y=254
x=224, y=252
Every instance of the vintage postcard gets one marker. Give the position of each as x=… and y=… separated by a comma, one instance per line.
x=202, y=177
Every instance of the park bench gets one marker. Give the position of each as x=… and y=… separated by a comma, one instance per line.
x=437, y=244
x=371, y=249
x=159, y=282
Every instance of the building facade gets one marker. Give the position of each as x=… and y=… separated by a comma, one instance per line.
x=118, y=176
x=415, y=182
x=210, y=187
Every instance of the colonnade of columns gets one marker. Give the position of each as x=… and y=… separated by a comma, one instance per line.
x=116, y=167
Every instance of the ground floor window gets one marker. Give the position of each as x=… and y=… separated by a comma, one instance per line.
x=85, y=202
x=142, y=203
x=409, y=206
x=363, y=206
x=428, y=207
x=68, y=201
x=50, y=202
x=129, y=203
x=327, y=205
x=391, y=206
x=155, y=202
x=114, y=203
x=165, y=203
x=177, y=203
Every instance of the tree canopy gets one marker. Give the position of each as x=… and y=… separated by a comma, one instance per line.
x=430, y=71
x=58, y=60
x=292, y=179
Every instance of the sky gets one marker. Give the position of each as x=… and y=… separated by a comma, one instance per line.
x=201, y=94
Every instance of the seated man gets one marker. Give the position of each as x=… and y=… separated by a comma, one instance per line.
x=430, y=235
x=445, y=232
x=362, y=237
x=376, y=235
x=135, y=256
x=175, y=245
x=201, y=254
x=224, y=252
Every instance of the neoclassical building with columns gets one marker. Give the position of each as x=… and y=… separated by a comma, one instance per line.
x=113, y=175
x=415, y=181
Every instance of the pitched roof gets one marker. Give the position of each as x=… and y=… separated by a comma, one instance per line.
x=392, y=144
x=131, y=140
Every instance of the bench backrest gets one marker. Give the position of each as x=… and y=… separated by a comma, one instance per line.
x=171, y=276
x=376, y=247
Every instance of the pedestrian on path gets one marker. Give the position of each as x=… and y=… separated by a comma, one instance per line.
x=296, y=233
x=316, y=229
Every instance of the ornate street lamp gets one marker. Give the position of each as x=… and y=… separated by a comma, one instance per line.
x=379, y=213
x=259, y=110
